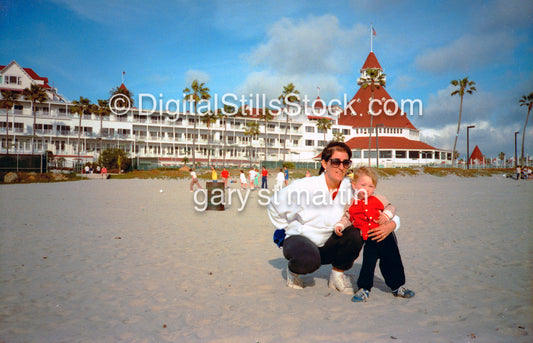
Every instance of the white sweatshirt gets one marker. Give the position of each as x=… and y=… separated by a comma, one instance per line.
x=306, y=208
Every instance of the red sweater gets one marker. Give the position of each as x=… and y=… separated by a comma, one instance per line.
x=362, y=214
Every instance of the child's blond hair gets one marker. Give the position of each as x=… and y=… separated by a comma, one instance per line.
x=368, y=171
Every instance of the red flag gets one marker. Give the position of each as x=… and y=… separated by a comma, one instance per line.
x=374, y=31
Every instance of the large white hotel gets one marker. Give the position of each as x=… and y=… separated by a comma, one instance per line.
x=164, y=140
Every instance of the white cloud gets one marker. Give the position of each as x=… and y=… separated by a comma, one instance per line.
x=468, y=52
x=271, y=84
x=199, y=75
x=495, y=116
x=503, y=14
x=314, y=45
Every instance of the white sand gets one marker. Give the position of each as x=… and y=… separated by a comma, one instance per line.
x=120, y=261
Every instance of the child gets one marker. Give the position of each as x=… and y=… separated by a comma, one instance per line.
x=242, y=178
x=214, y=175
x=367, y=212
x=280, y=178
x=256, y=178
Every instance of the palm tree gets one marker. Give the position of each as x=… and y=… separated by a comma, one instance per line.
x=81, y=107
x=196, y=93
x=527, y=100
x=338, y=137
x=223, y=115
x=34, y=94
x=128, y=97
x=252, y=130
x=266, y=116
x=9, y=99
x=102, y=110
x=467, y=86
x=289, y=96
x=501, y=156
x=324, y=124
x=374, y=78
x=209, y=118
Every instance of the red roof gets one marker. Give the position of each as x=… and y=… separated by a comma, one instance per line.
x=476, y=155
x=318, y=117
x=34, y=76
x=371, y=62
x=396, y=143
x=318, y=103
x=387, y=111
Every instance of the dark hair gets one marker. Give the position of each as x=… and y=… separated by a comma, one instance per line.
x=330, y=149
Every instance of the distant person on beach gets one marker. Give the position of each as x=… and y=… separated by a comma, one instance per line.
x=307, y=173
x=527, y=173
x=264, y=178
x=251, y=177
x=214, y=175
x=104, y=172
x=256, y=178
x=366, y=212
x=305, y=228
x=242, y=178
x=280, y=178
x=225, y=177
x=518, y=172
x=286, y=172
x=194, y=180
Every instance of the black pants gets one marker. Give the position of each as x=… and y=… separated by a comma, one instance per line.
x=264, y=182
x=390, y=263
x=305, y=257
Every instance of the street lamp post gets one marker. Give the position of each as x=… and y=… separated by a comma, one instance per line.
x=515, y=160
x=468, y=145
x=377, y=144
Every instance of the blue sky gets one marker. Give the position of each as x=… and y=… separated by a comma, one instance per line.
x=257, y=47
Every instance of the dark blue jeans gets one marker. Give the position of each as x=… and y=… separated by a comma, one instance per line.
x=390, y=263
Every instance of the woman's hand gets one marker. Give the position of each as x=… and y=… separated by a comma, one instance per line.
x=381, y=232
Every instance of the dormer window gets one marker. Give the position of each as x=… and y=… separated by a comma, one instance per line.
x=12, y=80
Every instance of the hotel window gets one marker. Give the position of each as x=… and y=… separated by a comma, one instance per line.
x=414, y=154
x=309, y=129
x=19, y=127
x=385, y=154
x=335, y=130
x=309, y=142
x=401, y=154
x=372, y=154
x=346, y=132
x=356, y=154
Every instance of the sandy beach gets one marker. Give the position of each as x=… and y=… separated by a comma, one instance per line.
x=133, y=261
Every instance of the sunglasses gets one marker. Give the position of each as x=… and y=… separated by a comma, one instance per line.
x=335, y=162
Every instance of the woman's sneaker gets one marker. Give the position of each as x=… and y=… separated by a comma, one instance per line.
x=293, y=280
x=341, y=282
x=403, y=292
x=362, y=295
